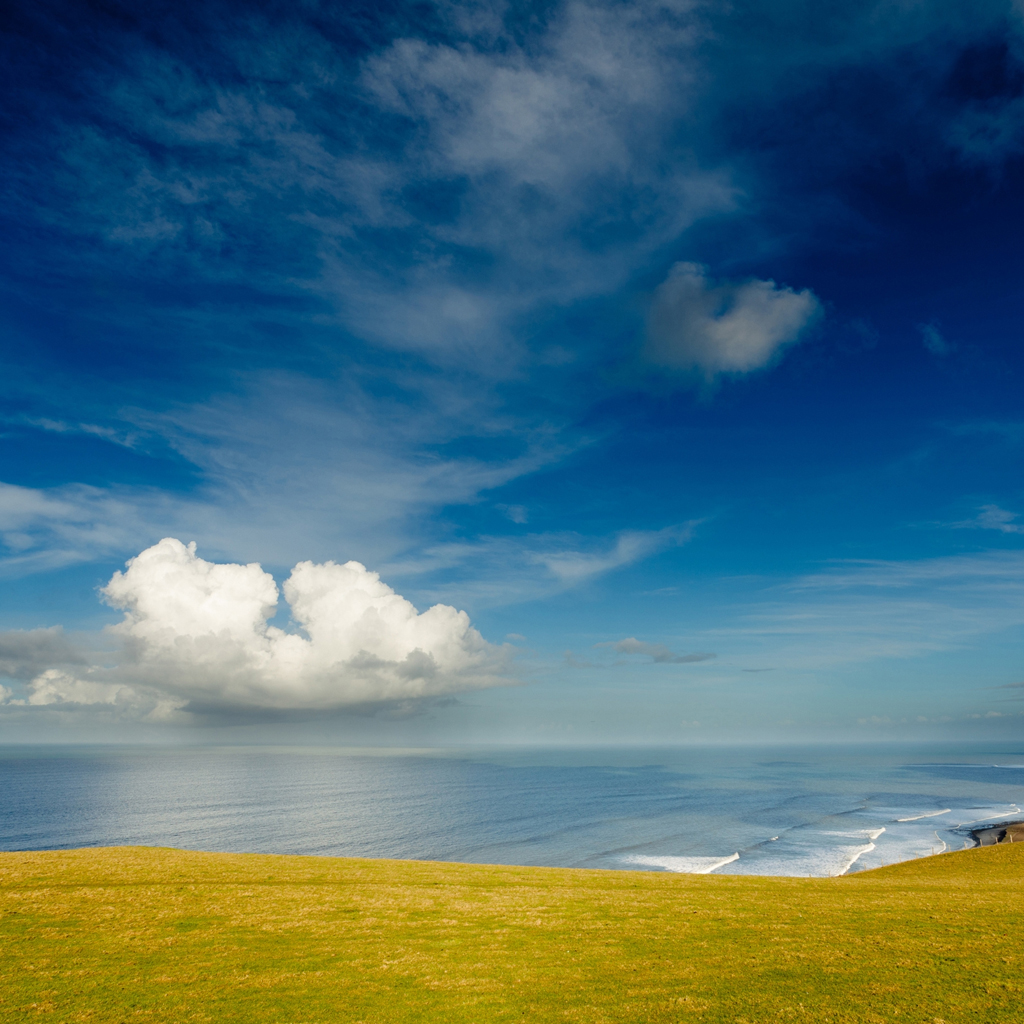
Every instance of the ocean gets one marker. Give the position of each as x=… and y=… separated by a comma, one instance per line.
x=731, y=810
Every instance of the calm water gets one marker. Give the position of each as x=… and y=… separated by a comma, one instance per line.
x=782, y=811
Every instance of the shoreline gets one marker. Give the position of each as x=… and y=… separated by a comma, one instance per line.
x=993, y=835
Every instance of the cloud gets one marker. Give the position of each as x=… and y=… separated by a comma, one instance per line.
x=198, y=631
x=552, y=151
x=61, y=670
x=987, y=80
x=366, y=471
x=496, y=571
x=571, y=567
x=44, y=529
x=23, y=653
x=516, y=513
x=125, y=439
x=58, y=691
x=934, y=341
x=863, y=611
x=695, y=324
x=657, y=652
x=472, y=178
x=368, y=480
x=988, y=135
x=995, y=569
x=56, y=687
x=992, y=517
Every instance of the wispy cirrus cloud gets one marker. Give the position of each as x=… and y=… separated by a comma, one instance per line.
x=992, y=517
x=365, y=471
x=497, y=571
x=987, y=569
x=478, y=176
x=125, y=437
x=571, y=566
x=856, y=612
x=934, y=341
x=44, y=529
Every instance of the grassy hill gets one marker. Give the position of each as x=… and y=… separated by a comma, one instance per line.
x=136, y=934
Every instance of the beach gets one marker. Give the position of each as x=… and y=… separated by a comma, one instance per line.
x=1006, y=832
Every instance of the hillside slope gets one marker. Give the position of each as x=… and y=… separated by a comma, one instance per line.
x=144, y=934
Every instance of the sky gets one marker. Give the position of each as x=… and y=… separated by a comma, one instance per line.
x=572, y=372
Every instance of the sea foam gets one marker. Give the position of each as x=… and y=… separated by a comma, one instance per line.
x=928, y=814
x=682, y=865
x=809, y=851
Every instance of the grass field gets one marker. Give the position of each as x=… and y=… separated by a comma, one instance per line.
x=137, y=934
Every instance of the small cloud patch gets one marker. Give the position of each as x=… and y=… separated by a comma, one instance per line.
x=934, y=341
x=992, y=517
x=658, y=653
x=715, y=328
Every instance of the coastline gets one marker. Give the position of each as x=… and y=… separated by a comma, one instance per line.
x=993, y=835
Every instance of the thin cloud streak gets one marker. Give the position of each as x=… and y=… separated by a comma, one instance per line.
x=365, y=473
x=499, y=571
x=874, y=610
x=992, y=517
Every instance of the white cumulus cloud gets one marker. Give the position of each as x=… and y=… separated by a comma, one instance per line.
x=695, y=324
x=198, y=630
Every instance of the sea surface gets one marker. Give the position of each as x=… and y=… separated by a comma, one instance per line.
x=731, y=810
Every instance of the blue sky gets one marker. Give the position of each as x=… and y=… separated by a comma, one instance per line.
x=677, y=345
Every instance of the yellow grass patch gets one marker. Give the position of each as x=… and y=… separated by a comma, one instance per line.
x=136, y=934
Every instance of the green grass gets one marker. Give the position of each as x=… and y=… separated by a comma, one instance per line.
x=137, y=934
